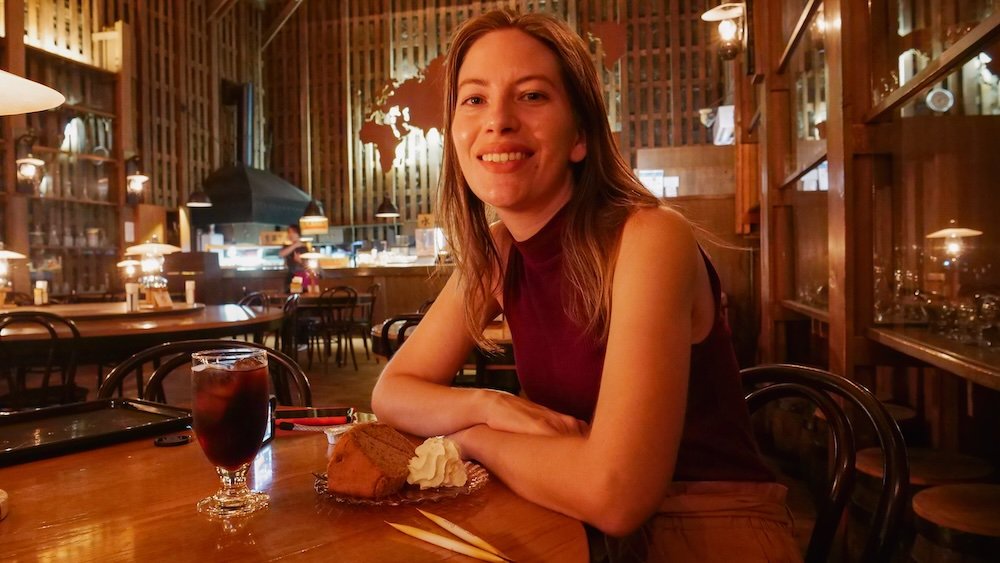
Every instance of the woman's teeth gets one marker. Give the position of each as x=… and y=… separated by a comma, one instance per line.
x=503, y=156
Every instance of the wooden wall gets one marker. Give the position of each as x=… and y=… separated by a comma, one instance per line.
x=335, y=70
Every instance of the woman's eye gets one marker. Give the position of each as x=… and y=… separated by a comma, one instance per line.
x=533, y=96
x=472, y=100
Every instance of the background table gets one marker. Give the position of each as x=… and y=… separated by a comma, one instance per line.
x=110, y=334
x=136, y=502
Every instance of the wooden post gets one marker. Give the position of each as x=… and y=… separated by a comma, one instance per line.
x=15, y=236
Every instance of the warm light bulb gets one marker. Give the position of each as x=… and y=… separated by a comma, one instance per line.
x=151, y=263
x=954, y=247
x=135, y=183
x=27, y=170
x=129, y=271
x=312, y=264
x=727, y=30
x=4, y=268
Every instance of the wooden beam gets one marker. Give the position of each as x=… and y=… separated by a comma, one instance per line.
x=219, y=9
x=279, y=21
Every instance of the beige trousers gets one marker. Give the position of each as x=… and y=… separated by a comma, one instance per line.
x=714, y=521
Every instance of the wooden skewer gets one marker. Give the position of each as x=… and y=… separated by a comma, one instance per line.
x=447, y=543
x=464, y=534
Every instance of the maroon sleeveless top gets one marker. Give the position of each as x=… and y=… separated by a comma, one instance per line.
x=560, y=367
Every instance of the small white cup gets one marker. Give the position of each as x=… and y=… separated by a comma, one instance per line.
x=189, y=292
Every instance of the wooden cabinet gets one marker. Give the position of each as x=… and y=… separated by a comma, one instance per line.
x=888, y=274
x=74, y=202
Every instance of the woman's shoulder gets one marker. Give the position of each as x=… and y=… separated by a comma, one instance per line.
x=659, y=224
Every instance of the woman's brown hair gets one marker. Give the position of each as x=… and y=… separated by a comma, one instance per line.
x=605, y=192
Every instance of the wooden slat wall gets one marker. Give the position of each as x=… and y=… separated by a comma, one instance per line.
x=356, y=48
x=181, y=61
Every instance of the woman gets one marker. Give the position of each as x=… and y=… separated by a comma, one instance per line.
x=634, y=421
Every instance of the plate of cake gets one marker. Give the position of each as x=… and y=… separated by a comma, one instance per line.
x=374, y=464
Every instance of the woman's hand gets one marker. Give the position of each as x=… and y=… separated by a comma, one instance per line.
x=510, y=413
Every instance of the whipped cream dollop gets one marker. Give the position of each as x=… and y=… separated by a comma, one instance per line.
x=438, y=463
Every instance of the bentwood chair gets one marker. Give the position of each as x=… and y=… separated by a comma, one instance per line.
x=337, y=314
x=256, y=299
x=51, y=358
x=363, y=322
x=395, y=331
x=286, y=339
x=831, y=393
x=164, y=359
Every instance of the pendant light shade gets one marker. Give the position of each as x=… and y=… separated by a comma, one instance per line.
x=198, y=198
x=20, y=95
x=313, y=222
x=386, y=209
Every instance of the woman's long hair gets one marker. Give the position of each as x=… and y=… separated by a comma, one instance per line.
x=604, y=193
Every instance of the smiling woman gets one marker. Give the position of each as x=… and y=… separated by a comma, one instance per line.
x=633, y=419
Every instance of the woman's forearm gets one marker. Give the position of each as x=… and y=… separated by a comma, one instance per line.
x=568, y=474
x=426, y=408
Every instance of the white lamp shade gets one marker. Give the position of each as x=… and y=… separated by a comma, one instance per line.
x=11, y=255
x=20, y=95
x=127, y=263
x=151, y=248
x=955, y=232
x=312, y=256
x=727, y=11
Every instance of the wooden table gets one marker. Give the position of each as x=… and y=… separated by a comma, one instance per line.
x=109, y=333
x=136, y=502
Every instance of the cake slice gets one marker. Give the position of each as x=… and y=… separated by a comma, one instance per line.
x=369, y=461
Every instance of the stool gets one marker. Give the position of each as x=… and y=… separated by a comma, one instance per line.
x=928, y=468
x=957, y=523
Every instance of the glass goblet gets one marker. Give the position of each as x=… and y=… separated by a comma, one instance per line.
x=230, y=396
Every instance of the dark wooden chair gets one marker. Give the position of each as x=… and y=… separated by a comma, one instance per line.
x=425, y=306
x=286, y=339
x=53, y=361
x=165, y=359
x=256, y=299
x=338, y=306
x=831, y=393
x=395, y=330
x=366, y=311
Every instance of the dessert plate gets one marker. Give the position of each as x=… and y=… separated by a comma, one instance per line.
x=411, y=494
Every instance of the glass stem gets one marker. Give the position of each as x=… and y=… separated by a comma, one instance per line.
x=234, y=484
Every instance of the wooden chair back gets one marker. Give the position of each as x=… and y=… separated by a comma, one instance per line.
x=831, y=393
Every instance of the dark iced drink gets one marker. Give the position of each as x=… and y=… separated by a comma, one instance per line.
x=230, y=409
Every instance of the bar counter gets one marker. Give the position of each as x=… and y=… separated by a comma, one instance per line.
x=403, y=287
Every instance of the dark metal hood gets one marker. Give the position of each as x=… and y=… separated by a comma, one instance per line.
x=241, y=194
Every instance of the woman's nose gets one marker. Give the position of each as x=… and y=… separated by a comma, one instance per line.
x=501, y=118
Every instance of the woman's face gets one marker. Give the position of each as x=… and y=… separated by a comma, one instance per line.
x=513, y=127
x=292, y=235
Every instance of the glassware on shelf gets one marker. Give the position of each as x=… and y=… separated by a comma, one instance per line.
x=68, y=239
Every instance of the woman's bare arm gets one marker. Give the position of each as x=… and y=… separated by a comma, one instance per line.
x=614, y=476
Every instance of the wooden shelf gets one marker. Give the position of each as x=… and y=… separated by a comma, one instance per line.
x=949, y=61
x=80, y=108
x=79, y=155
x=92, y=249
x=31, y=50
x=73, y=200
x=810, y=311
x=976, y=364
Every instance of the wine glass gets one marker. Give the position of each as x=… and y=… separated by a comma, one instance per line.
x=230, y=396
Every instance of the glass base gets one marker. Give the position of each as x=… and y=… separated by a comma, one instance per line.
x=227, y=507
x=234, y=498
